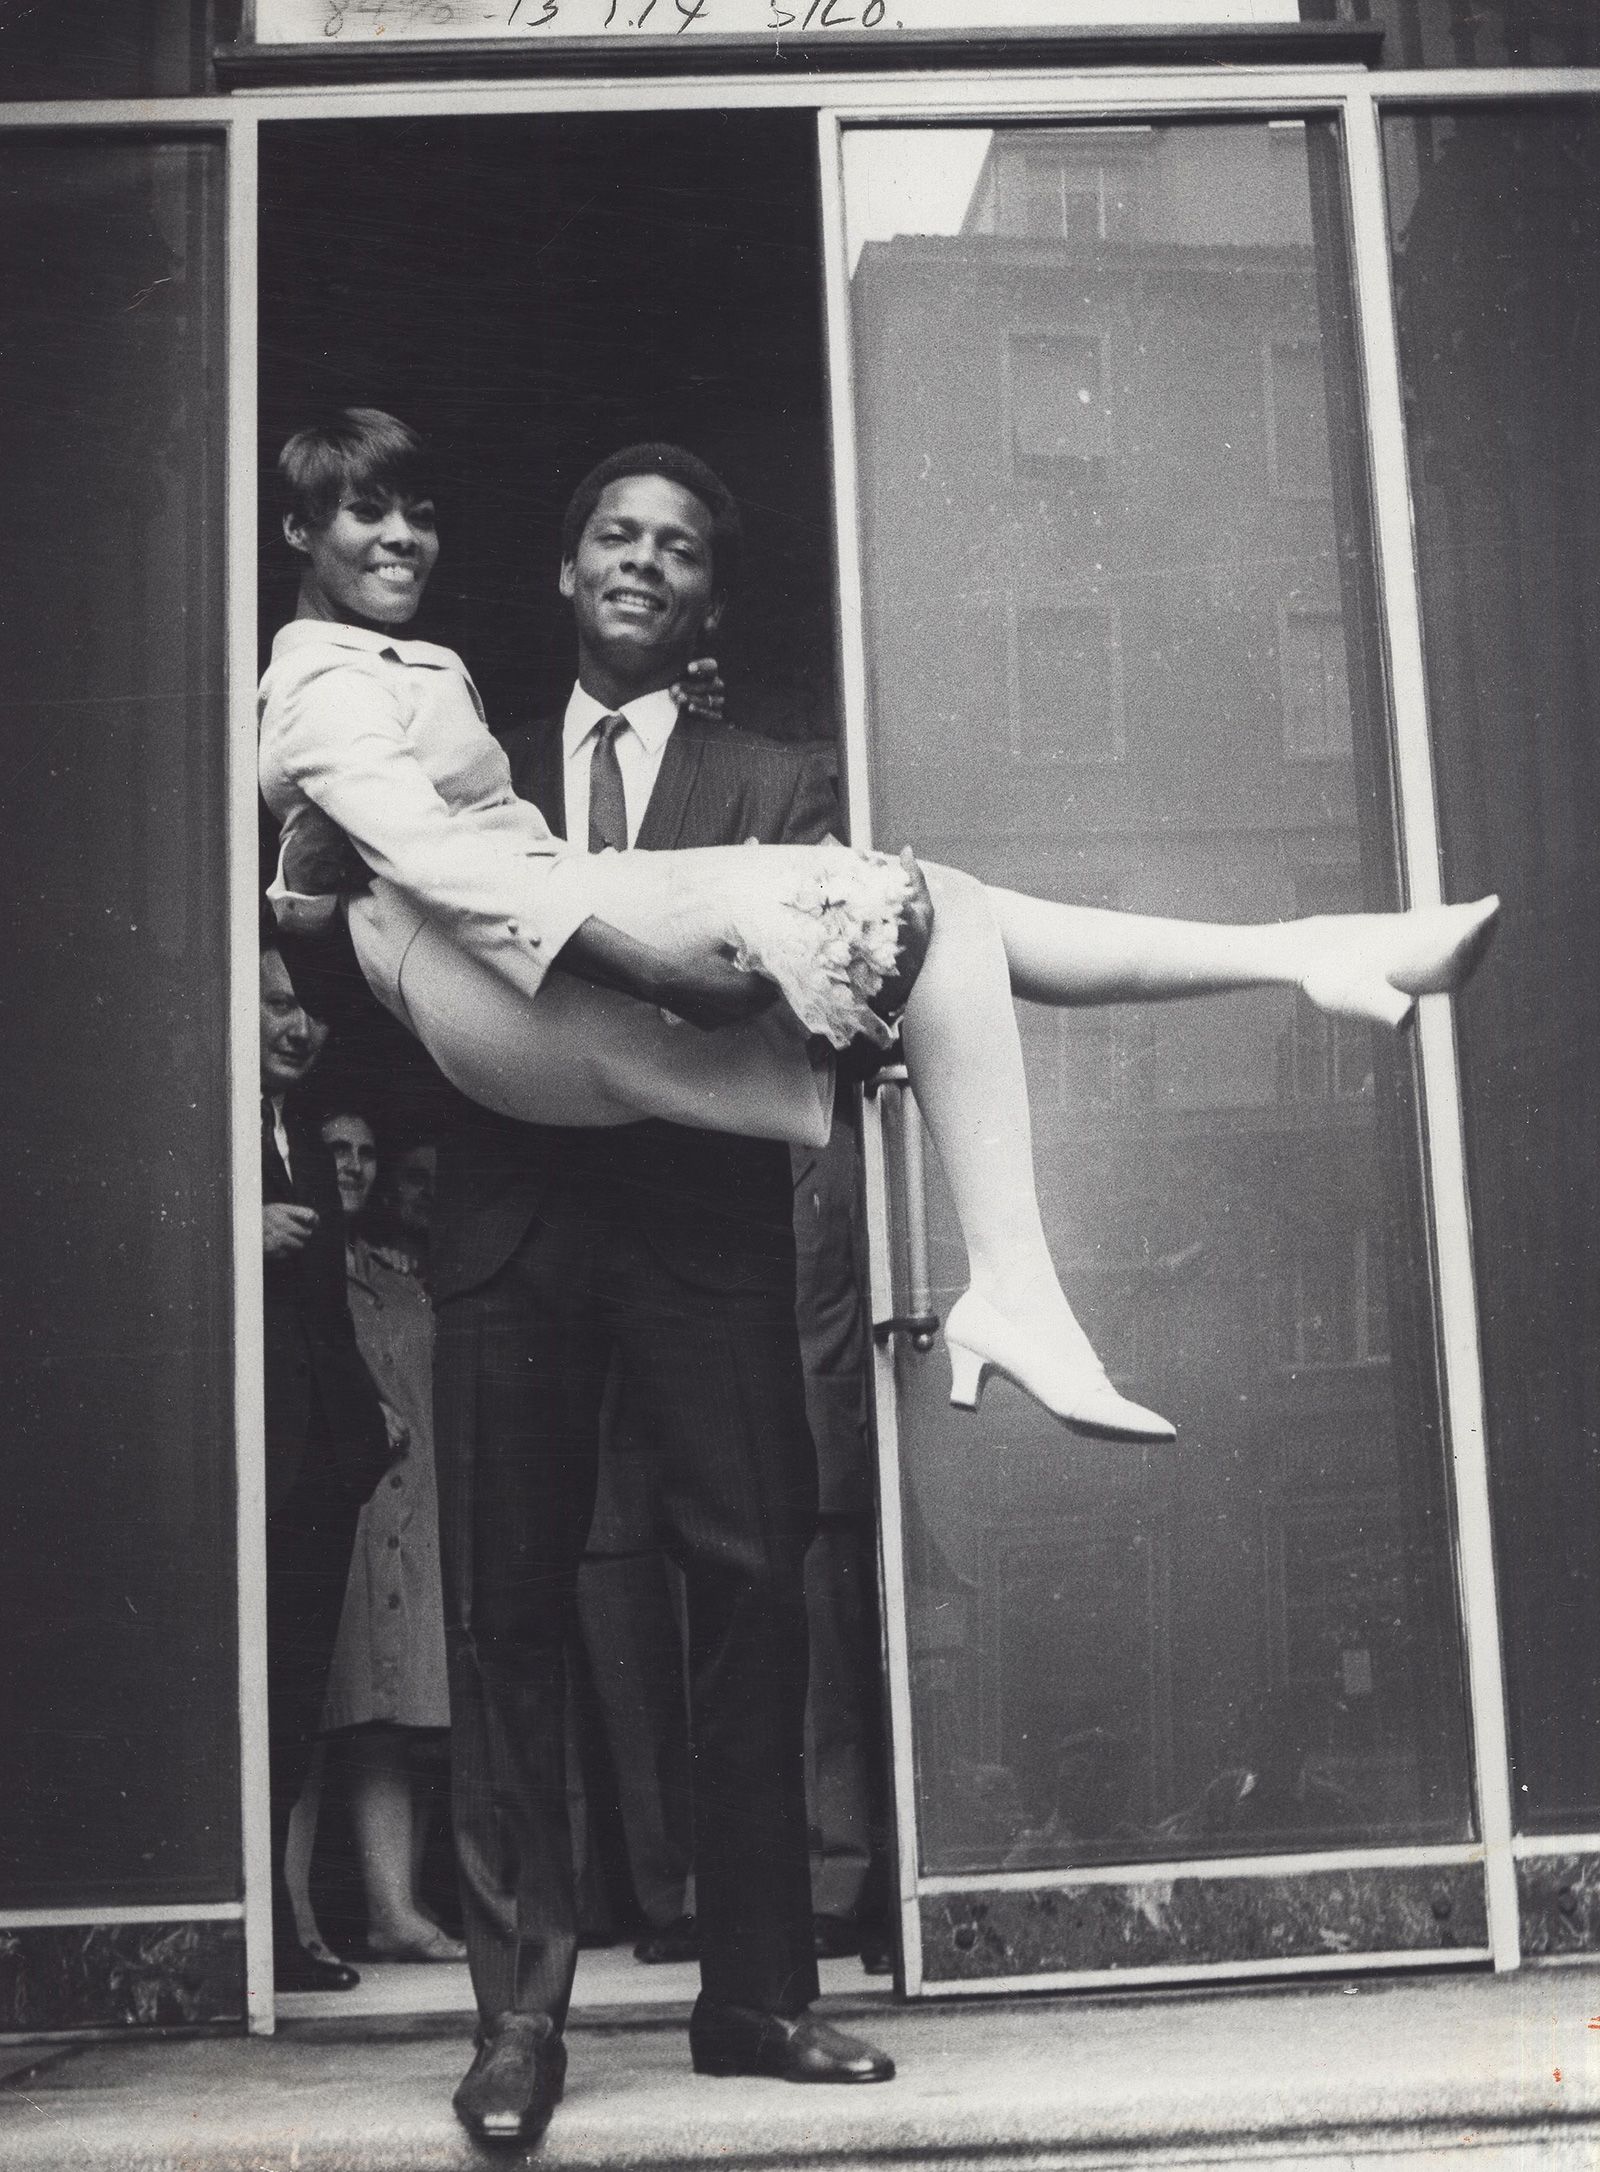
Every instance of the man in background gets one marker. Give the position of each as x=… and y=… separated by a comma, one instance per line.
x=326, y=1440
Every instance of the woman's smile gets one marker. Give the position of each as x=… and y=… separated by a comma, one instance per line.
x=370, y=561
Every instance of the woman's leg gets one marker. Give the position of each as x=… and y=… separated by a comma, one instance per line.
x=298, y=1851
x=964, y=1055
x=1368, y=964
x=382, y=1812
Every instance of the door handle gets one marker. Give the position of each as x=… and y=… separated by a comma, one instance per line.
x=919, y=1322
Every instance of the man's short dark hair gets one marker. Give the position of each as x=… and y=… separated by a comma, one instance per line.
x=679, y=466
x=358, y=449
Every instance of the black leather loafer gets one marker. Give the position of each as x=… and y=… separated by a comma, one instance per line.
x=678, y=1940
x=877, y=1949
x=742, y=2040
x=515, y=2082
x=295, y=1968
x=835, y=1937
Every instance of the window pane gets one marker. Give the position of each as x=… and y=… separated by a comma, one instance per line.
x=1250, y=1642
x=1058, y=414
x=1497, y=225
x=1297, y=422
x=117, y=1596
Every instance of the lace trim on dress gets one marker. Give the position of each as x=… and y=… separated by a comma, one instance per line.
x=832, y=940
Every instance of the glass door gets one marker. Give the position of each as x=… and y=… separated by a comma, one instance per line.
x=1159, y=1712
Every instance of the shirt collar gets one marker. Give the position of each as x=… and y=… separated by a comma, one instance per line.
x=652, y=716
x=303, y=633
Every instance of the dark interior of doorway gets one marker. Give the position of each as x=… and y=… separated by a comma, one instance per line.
x=531, y=293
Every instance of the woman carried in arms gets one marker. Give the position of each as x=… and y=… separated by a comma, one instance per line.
x=550, y=983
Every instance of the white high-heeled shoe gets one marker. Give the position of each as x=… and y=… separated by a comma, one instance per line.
x=981, y=1340
x=1379, y=966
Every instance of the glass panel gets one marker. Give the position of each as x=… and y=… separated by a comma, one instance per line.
x=82, y=49
x=1136, y=668
x=1496, y=219
x=1474, y=33
x=117, y=1600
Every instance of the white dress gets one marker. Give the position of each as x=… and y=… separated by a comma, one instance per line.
x=473, y=898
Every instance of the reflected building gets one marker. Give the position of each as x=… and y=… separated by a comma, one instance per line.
x=1123, y=655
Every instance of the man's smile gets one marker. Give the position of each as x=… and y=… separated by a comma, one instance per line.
x=642, y=600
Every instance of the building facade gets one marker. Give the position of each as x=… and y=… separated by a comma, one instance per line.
x=1170, y=454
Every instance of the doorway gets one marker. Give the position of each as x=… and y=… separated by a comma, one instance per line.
x=532, y=293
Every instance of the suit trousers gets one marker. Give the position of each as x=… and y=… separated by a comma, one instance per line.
x=520, y=1372
x=310, y=1538
x=632, y=1637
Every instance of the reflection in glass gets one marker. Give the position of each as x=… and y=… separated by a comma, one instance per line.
x=117, y=1606
x=1121, y=653
x=1496, y=220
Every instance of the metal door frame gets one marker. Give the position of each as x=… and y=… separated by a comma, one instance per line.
x=1354, y=103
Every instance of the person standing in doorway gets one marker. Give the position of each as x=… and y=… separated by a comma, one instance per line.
x=387, y=1695
x=327, y=1445
x=673, y=1251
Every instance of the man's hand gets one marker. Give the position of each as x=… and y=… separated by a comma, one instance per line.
x=709, y=994
x=701, y=690
x=286, y=1230
x=320, y=861
x=714, y=993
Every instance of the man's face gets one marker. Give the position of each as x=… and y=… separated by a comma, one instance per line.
x=642, y=582
x=413, y=1189
x=355, y=1158
x=291, y=1039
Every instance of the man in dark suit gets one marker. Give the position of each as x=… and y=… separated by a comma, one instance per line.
x=670, y=1252
x=327, y=1443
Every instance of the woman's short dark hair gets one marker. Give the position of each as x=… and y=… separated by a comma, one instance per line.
x=358, y=449
x=679, y=466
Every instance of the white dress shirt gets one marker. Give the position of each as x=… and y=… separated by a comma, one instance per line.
x=279, y=1134
x=651, y=719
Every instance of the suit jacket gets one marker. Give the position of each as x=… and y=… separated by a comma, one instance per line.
x=717, y=1209
x=312, y=1363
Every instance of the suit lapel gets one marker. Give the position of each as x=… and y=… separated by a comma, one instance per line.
x=662, y=826
x=543, y=778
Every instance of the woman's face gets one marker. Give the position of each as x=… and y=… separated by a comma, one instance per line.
x=355, y=1159
x=370, y=563
x=413, y=1190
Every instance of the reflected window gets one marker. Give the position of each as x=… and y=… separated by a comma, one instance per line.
x=1297, y=420
x=1323, y=1058
x=1315, y=676
x=1067, y=681
x=1060, y=427
x=1331, y=1302
x=1064, y=203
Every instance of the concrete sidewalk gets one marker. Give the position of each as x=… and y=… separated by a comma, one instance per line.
x=1390, y=2074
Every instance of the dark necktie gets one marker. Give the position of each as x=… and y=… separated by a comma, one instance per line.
x=608, y=809
x=269, y=1137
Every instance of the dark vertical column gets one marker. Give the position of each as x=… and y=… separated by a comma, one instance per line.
x=1498, y=281
x=118, y=1729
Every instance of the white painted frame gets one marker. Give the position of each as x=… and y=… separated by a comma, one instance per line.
x=990, y=95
